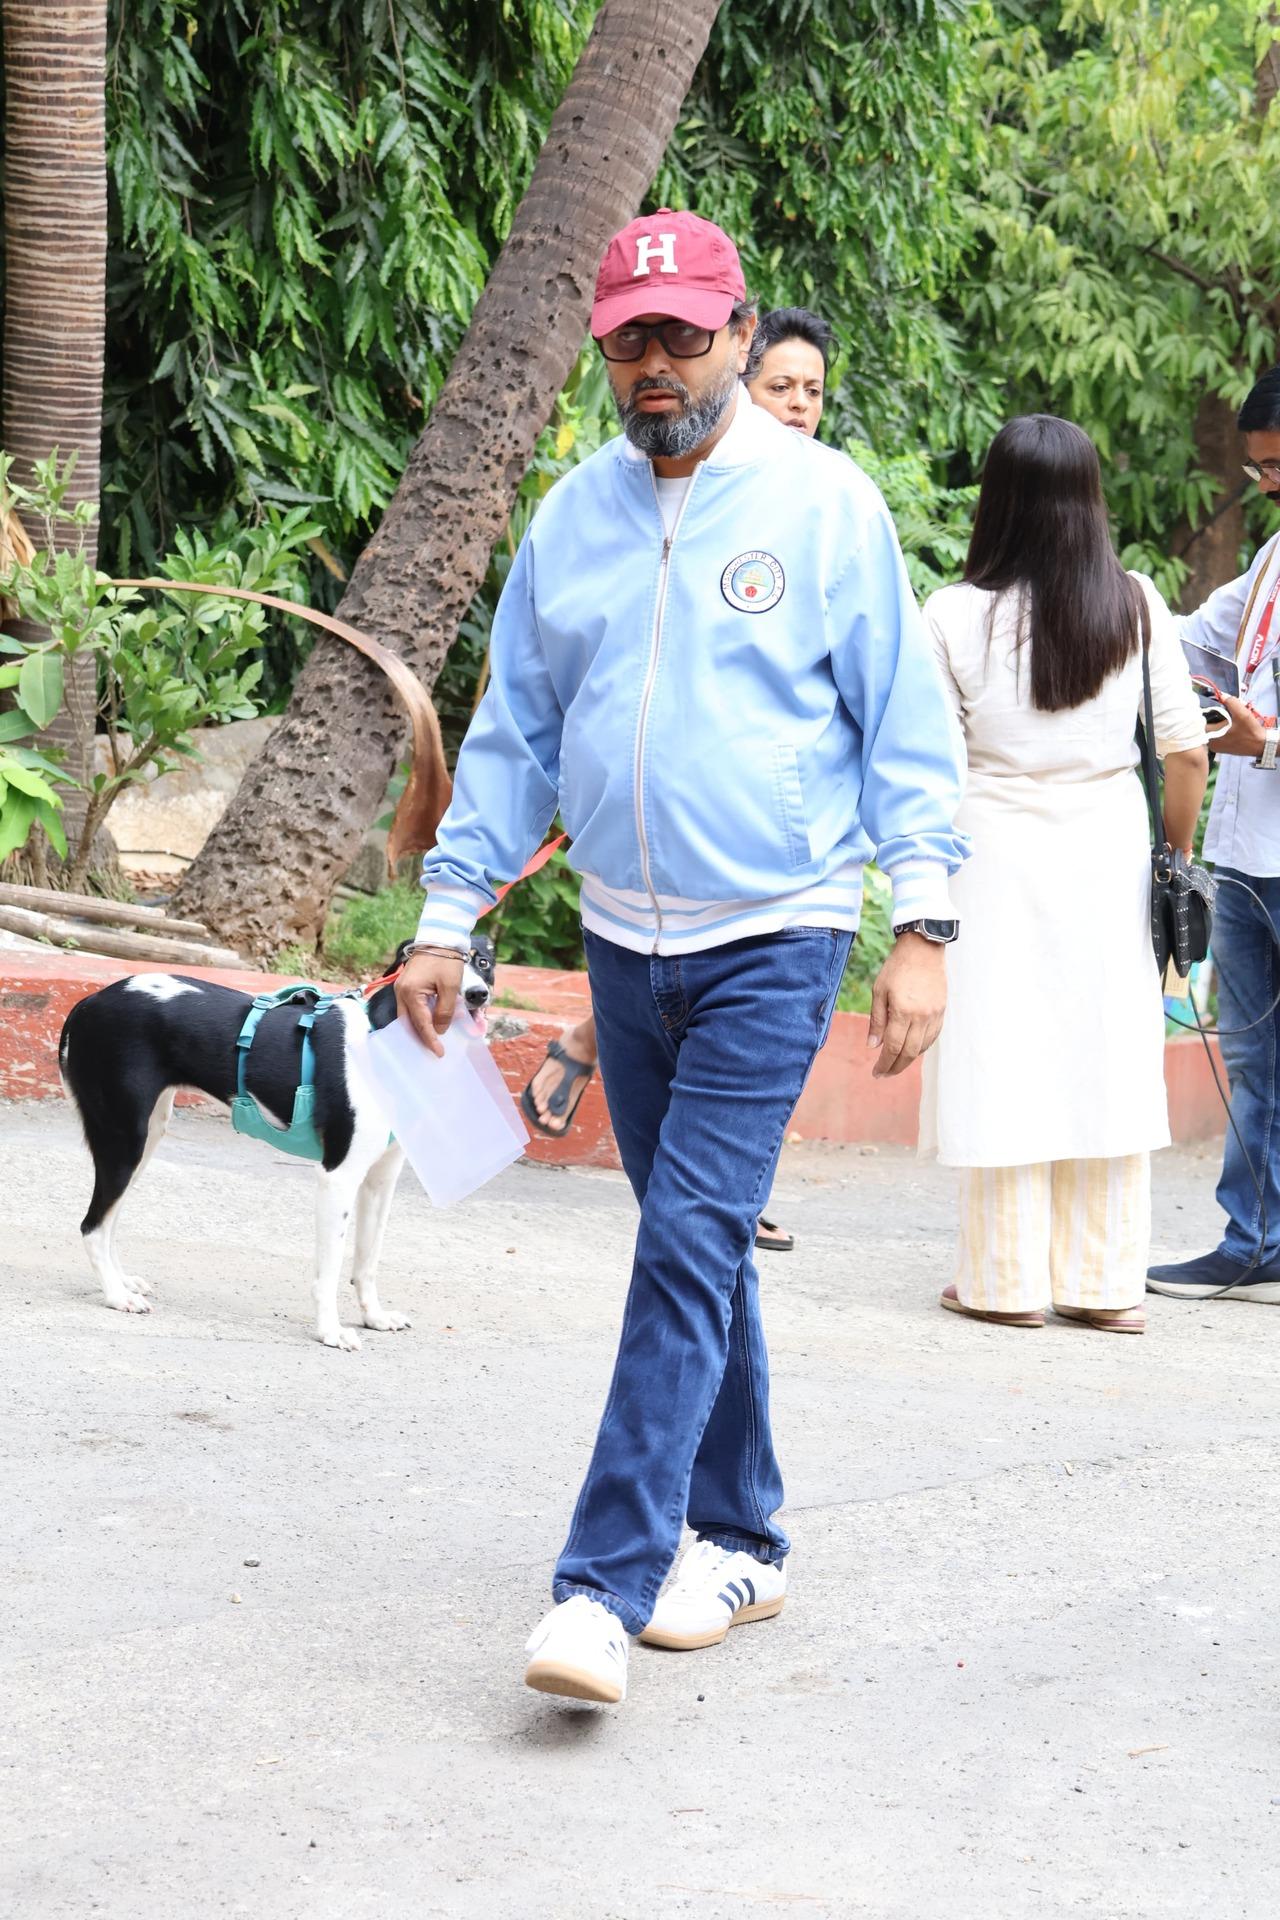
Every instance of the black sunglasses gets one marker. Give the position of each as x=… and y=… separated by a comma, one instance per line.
x=678, y=338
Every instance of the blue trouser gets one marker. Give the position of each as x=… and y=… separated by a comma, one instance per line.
x=703, y=1059
x=1244, y=950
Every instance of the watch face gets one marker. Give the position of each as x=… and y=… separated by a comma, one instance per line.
x=942, y=931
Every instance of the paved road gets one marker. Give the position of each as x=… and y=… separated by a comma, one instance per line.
x=1029, y=1666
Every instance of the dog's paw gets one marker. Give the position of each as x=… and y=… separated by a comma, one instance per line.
x=134, y=1283
x=346, y=1338
x=125, y=1302
x=384, y=1322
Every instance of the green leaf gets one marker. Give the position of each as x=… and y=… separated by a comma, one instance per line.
x=27, y=781
x=14, y=725
x=40, y=687
x=17, y=811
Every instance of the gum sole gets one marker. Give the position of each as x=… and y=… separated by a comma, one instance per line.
x=546, y=1676
x=1081, y=1317
x=994, y=1319
x=690, y=1642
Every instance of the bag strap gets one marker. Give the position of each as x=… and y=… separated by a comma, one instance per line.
x=262, y=1004
x=1254, y=591
x=1147, y=731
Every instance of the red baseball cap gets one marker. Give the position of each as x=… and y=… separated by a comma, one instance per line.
x=675, y=264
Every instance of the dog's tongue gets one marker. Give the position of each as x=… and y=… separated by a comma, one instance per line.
x=480, y=1021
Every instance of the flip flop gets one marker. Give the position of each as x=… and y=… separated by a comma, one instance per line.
x=772, y=1238
x=565, y=1096
x=1106, y=1319
x=953, y=1303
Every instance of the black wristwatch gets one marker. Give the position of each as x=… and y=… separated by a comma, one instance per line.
x=941, y=932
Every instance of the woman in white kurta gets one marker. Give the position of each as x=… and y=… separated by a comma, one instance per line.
x=1047, y=1083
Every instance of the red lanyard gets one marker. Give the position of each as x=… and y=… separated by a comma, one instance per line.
x=1263, y=634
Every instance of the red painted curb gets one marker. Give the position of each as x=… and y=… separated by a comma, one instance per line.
x=534, y=1005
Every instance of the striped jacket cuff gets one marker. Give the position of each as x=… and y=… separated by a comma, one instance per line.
x=449, y=917
x=920, y=891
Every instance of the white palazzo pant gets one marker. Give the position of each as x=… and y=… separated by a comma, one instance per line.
x=1074, y=1232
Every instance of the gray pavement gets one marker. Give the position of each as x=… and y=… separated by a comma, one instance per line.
x=1029, y=1665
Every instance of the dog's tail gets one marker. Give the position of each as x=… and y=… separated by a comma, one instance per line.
x=65, y=1074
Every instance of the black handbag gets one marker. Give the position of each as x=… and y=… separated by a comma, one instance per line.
x=1182, y=890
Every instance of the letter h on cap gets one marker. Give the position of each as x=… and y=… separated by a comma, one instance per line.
x=647, y=244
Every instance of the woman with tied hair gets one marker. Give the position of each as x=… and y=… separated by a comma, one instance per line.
x=787, y=366
x=786, y=373
x=1047, y=1093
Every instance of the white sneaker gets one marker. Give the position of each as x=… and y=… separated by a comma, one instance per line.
x=713, y=1590
x=579, y=1650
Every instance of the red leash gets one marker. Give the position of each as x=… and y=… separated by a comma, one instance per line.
x=538, y=861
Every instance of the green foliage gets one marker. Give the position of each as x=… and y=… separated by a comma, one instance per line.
x=835, y=139
x=363, y=934
x=1130, y=251
x=537, y=924
x=933, y=520
x=162, y=668
x=307, y=197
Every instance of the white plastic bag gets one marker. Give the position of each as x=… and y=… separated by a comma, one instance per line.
x=453, y=1116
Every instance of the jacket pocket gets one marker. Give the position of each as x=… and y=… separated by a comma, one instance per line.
x=788, y=801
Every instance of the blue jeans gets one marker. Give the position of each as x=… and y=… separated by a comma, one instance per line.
x=703, y=1059
x=1248, y=981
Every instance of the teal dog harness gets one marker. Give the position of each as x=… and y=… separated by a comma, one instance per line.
x=300, y=1136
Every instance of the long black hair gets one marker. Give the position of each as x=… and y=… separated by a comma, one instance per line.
x=788, y=323
x=1261, y=410
x=1041, y=526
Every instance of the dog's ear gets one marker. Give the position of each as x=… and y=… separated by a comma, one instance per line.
x=484, y=957
x=401, y=955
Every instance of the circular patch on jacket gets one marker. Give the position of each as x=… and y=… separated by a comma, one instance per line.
x=753, y=582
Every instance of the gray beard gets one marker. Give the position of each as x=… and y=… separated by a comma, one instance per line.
x=671, y=436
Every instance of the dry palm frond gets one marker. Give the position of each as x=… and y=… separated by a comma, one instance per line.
x=16, y=550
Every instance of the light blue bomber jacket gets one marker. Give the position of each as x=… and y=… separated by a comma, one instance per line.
x=731, y=719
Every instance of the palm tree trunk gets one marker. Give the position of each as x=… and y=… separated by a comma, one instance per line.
x=266, y=874
x=1212, y=549
x=55, y=220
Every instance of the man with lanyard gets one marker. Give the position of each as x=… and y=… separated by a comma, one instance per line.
x=708, y=657
x=1243, y=841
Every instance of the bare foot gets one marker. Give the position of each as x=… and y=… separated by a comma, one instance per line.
x=580, y=1045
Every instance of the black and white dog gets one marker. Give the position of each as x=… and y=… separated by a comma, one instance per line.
x=126, y=1051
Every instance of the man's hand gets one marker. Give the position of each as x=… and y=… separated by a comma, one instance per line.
x=425, y=995
x=907, y=1003
x=1247, y=736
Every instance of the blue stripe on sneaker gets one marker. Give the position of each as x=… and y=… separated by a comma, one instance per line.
x=728, y=1600
x=751, y=1592
x=737, y=1593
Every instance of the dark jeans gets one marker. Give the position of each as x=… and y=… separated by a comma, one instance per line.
x=1248, y=981
x=703, y=1059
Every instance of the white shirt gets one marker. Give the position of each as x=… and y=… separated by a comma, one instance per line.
x=671, y=495
x=1244, y=824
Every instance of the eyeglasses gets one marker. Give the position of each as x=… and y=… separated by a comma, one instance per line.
x=1263, y=470
x=678, y=338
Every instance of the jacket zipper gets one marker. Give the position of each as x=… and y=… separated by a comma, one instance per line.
x=655, y=649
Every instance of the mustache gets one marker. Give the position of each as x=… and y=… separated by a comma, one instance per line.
x=651, y=384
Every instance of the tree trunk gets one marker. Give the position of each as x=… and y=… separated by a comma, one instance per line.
x=1212, y=549
x=268, y=870
x=55, y=219
x=1266, y=79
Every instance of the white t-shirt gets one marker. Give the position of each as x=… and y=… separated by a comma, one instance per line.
x=671, y=495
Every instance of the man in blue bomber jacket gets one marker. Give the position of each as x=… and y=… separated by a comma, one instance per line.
x=708, y=658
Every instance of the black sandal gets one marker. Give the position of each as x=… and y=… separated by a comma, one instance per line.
x=771, y=1238
x=564, y=1099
